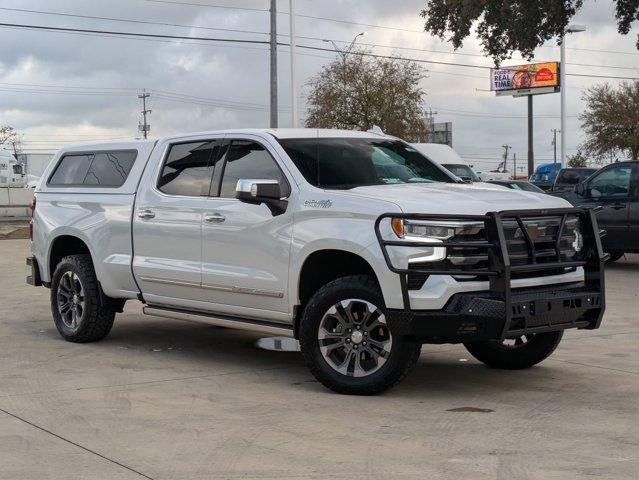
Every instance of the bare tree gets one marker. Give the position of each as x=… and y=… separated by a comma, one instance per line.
x=10, y=138
x=611, y=120
x=358, y=91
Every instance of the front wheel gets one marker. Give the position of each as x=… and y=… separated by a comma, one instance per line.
x=516, y=353
x=347, y=342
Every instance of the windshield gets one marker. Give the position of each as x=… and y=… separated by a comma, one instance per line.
x=462, y=171
x=344, y=163
x=572, y=176
x=539, y=177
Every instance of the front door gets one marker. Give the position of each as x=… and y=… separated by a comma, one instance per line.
x=246, y=247
x=610, y=189
x=167, y=224
x=634, y=210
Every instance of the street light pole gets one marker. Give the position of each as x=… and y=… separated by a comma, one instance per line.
x=562, y=80
x=293, y=48
x=345, y=52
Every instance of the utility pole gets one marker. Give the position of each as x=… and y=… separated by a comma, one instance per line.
x=431, y=124
x=273, y=11
x=144, y=127
x=515, y=166
x=506, y=148
x=554, y=143
x=293, y=48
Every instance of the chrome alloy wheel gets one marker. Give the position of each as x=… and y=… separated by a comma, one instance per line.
x=71, y=302
x=354, y=338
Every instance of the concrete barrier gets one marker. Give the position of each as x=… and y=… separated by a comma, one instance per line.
x=14, y=201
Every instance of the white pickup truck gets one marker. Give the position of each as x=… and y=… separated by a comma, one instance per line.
x=354, y=243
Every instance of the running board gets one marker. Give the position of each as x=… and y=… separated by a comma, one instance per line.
x=220, y=320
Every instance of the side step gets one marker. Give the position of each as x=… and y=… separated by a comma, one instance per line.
x=220, y=320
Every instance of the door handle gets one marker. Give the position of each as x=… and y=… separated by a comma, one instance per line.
x=618, y=206
x=214, y=218
x=146, y=214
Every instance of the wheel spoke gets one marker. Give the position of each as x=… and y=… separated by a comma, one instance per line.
x=330, y=344
x=519, y=341
x=381, y=346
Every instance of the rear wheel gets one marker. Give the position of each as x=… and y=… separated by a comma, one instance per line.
x=347, y=342
x=516, y=353
x=75, y=301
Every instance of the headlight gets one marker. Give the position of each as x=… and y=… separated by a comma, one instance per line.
x=430, y=230
x=435, y=232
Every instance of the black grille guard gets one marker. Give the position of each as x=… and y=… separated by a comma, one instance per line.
x=500, y=270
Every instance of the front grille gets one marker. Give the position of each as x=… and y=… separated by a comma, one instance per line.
x=539, y=244
x=536, y=239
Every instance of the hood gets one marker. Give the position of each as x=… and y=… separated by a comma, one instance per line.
x=458, y=198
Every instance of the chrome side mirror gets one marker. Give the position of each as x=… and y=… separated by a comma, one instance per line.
x=260, y=191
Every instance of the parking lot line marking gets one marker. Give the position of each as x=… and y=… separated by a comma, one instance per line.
x=593, y=366
x=148, y=382
x=75, y=444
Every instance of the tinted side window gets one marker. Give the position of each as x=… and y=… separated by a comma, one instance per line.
x=249, y=160
x=189, y=168
x=613, y=182
x=71, y=170
x=110, y=169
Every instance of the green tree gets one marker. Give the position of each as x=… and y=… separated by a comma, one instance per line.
x=508, y=26
x=611, y=120
x=577, y=160
x=356, y=92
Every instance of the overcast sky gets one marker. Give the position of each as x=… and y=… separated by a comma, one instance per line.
x=60, y=88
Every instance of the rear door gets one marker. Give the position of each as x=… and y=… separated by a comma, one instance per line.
x=610, y=189
x=167, y=225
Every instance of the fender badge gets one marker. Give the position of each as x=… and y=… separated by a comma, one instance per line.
x=318, y=203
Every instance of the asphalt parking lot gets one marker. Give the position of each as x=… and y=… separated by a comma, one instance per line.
x=167, y=399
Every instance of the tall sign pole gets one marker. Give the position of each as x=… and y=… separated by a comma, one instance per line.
x=293, y=48
x=273, y=63
x=562, y=79
x=531, y=153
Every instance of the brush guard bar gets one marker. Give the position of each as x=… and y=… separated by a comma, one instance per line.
x=521, y=310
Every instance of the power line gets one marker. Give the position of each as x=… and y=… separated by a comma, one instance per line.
x=372, y=25
x=142, y=22
x=266, y=42
x=133, y=34
x=146, y=22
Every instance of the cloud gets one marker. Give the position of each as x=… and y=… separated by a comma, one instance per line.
x=89, y=84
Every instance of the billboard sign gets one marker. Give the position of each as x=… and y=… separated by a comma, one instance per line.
x=525, y=79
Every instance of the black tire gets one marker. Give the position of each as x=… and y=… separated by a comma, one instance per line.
x=398, y=363
x=497, y=354
x=614, y=256
x=93, y=322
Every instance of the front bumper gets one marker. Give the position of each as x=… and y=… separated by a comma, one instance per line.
x=504, y=310
x=477, y=316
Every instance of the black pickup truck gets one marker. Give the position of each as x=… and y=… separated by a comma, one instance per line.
x=615, y=188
